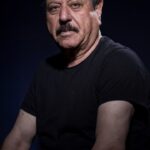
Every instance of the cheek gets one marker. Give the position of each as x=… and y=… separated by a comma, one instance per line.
x=86, y=26
x=52, y=25
x=86, y=20
x=83, y=23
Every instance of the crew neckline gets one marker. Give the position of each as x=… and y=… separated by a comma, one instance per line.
x=92, y=53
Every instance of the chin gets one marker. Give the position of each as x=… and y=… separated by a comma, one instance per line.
x=68, y=44
x=70, y=41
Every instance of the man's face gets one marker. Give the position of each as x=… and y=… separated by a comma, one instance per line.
x=72, y=23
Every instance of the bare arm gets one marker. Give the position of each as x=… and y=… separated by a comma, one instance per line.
x=22, y=133
x=113, y=121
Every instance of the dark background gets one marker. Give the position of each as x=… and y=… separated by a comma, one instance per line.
x=25, y=42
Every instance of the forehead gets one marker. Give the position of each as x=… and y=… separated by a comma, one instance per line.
x=86, y=2
x=66, y=0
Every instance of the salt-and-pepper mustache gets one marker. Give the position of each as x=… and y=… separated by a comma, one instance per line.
x=65, y=28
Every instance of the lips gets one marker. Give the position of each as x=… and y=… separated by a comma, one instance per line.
x=66, y=33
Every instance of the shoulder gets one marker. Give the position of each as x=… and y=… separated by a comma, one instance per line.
x=118, y=56
x=123, y=75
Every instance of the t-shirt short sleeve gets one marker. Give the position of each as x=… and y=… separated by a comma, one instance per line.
x=29, y=103
x=123, y=77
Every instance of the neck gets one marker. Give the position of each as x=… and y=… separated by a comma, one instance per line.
x=83, y=54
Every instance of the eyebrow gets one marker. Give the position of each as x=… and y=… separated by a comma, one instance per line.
x=75, y=0
x=55, y=1
x=52, y=1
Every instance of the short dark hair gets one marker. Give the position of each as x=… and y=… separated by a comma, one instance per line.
x=95, y=2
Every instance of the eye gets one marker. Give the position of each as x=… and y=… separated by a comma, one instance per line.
x=53, y=9
x=75, y=5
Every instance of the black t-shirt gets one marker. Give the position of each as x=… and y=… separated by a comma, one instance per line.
x=65, y=100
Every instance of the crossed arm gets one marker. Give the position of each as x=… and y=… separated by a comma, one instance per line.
x=113, y=121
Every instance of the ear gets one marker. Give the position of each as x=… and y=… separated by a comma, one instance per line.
x=98, y=8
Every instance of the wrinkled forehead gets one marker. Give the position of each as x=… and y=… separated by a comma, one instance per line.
x=93, y=1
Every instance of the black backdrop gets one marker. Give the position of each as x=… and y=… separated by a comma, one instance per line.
x=25, y=42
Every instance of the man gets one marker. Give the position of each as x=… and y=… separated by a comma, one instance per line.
x=91, y=96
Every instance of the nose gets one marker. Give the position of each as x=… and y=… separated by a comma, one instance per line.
x=64, y=15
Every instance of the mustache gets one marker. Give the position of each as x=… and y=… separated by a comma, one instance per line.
x=65, y=28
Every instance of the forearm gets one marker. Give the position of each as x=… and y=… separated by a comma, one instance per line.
x=12, y=143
